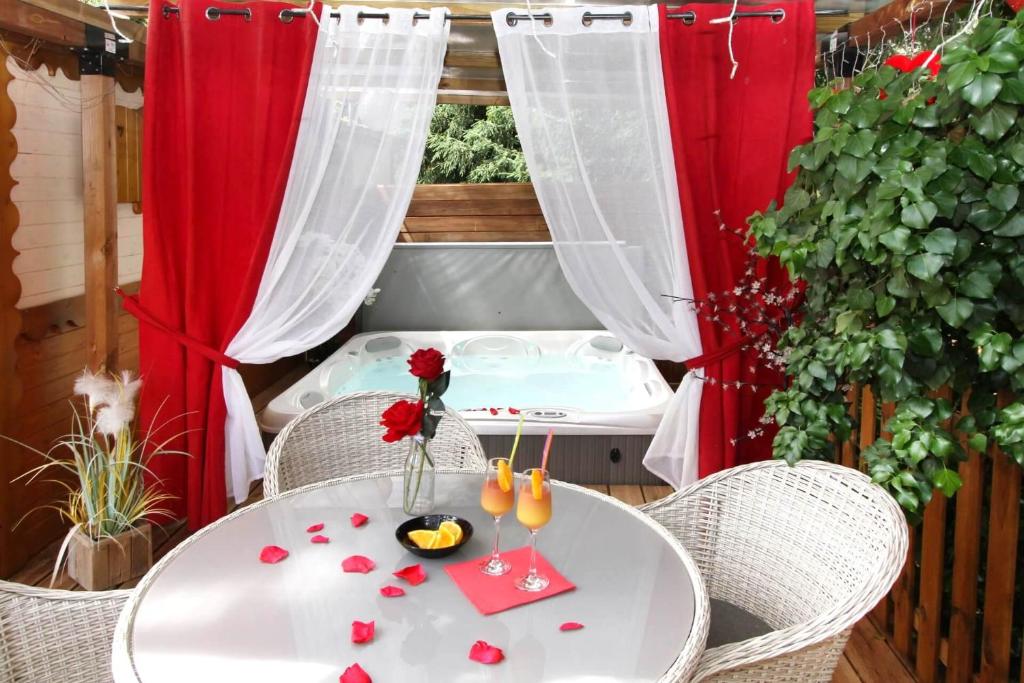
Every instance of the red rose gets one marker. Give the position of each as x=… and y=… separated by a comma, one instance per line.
x=402, y=419
x=427, y=364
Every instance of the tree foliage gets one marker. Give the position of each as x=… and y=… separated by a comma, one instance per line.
x=471, y=144
x=905, y=223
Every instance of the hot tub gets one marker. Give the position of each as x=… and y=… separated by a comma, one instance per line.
x=603, y=400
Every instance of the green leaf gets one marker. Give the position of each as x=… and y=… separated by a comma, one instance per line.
x=995, y=121
x=941, y=241
x=884, y=305
x=925, y=266
x=848, y=320
x=926, y=342
x=947, y=481
x=891, y=339
x=1003, y=197
x=982, y=90
x=1013, y=227
x=896, y=239
x=977, y=285
x=978, y=442
x=919, y=215
x=956, y=311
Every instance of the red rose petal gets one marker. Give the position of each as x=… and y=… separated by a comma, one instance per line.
x=362, y=631
x=358, y=519
x=485, y=653
x=392, y=592
x=493, y=411
x=358, y=564
x=513, y=411
x=355, y=674
x=413, y=574
x=272, y=554
x=319, y=539
x=312, y=529
x=570, y=626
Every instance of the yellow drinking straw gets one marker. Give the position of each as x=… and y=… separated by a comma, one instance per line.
x=515, y=444
x=505, y=469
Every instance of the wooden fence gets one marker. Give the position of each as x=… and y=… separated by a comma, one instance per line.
x=497, y=212
x=954, y=613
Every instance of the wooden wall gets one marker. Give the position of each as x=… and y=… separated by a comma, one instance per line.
x=42, y=303
x=498, y=212
x=48, y=194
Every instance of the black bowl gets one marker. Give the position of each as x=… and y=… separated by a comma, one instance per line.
x=432, y=522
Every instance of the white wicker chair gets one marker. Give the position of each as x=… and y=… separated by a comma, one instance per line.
x=342, y=437
x=807, y=549
x=56, y=636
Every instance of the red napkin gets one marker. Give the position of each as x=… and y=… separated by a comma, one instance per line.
x=491, y=594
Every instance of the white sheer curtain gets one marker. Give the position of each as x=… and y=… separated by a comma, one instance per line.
x=372, y=89
x=589, y=104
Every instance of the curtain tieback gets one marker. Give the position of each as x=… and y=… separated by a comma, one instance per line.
x=706, y=359
x=132, y=305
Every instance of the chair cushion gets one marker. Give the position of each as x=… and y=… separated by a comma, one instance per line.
x=731, y=624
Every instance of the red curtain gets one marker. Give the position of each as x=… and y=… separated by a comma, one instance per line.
x=732, y=139
x=223, y=103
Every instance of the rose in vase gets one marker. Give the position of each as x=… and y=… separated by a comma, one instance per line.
x=418, y=420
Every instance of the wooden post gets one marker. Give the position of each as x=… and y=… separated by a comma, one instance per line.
x=99, y=166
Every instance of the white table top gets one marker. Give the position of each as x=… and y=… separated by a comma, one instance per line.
x=210, y=611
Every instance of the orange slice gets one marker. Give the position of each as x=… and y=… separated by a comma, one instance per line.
x=422, y=538
x=537, y=484
x=454, y=529
x=445, y=538
x=504, y=476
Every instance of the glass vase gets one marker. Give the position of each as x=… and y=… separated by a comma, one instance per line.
x=418, y=479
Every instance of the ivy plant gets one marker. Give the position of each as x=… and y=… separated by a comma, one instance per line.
x=905, y=223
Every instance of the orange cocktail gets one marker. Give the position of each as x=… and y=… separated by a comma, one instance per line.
x=497, y=496
x=534, y=511
x=494, y=500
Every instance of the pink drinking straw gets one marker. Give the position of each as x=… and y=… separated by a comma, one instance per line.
x=547, y=450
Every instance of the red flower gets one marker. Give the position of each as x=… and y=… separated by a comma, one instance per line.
x=362, y=631
x=485, y=653
x=357, y=564
x=427, y=364
x=402, y=419
x=413, y=574
x=907, y=64
x=358, y=519
x=355, y=674
x=273, y=554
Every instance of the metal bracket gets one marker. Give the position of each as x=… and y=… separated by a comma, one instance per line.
x=101, y=52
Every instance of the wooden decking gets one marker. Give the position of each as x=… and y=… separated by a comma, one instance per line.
x=868, y=658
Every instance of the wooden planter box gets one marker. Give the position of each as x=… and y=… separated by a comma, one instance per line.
x=103, y=564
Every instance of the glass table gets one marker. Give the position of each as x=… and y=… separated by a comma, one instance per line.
x=211, y=611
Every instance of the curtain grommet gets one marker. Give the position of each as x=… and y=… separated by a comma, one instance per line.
x=286, y=16
x=779, y=15
x=627, y=20
x=690, y=19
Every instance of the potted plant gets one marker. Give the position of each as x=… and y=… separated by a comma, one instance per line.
x=108, y=502
x=418, y=421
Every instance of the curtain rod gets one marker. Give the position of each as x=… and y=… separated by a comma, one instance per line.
x=287, y=15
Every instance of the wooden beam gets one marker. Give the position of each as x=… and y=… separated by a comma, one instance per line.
x=99, y=165
x=10, y=325
x=890, y=20
x=22, y=18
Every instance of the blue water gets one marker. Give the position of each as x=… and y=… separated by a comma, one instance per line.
x=500, y=382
